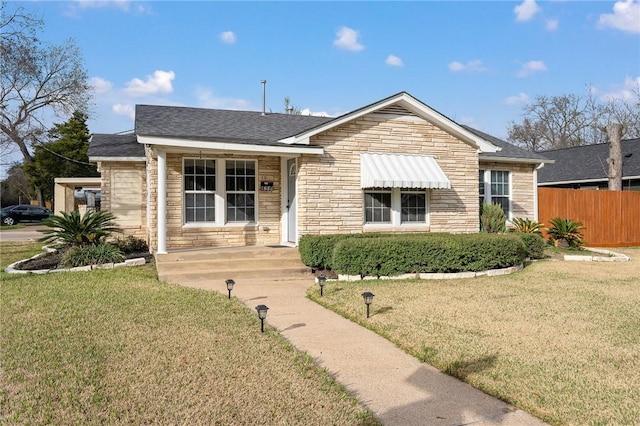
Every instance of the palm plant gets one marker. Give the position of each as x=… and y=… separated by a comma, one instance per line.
x=526, y=226
x=565, y=233
x=72, y=229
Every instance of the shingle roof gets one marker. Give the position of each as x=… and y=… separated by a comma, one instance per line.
x=588, y=162
x=104, y=145
x=508, y=150
x=221, y=125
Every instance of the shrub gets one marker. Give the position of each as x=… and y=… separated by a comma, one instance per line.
x=397, y=254
x=71, y=229
x=131, y=244
x=527, y=226
x=92, y=255
x=492, y=218
x=534, y=244
x=565, y=233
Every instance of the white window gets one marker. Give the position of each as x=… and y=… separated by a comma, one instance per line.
x=199, y=190
x=219, y=191
x=395, y=207
x=495, y=189
x=241, y=191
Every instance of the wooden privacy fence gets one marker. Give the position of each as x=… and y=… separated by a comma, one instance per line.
x=610, y=218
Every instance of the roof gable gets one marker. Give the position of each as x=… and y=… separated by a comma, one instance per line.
x=397, y=102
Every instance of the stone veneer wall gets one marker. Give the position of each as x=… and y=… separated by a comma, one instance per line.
x=109, y=171
x=266, y=231
x=330, y=197
x=522, y=190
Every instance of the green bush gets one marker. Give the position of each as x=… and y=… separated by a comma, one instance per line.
x=396, y=254
x=316, y=251
x=131, y=244
x=492, y=218
x=534, y=244
x=92, y=255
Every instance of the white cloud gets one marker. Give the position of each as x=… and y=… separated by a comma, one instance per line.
x=307, y=111
x=347, y=39
x=520, y=98
x=394, y=61
x=552, y=24
x=475, y=65
x=207, y=99
x=532, y=67
x=526, y=11
x=124, y=109
x=158, y=82
x=627, y=91
x=625, y=17
x=228, y=37
x=100, y=85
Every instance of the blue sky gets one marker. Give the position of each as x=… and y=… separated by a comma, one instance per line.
x=476, y=62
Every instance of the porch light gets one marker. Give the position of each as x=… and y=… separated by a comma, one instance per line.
x=230, y=284
x=322, y=281
x=368, y=299
x=262, y=314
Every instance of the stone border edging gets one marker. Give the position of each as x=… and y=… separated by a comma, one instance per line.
x=612, y=256
x=11, y=269
x=435, y=275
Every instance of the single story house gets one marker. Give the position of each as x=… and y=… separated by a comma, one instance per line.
x=192, y=177
x=586, y=167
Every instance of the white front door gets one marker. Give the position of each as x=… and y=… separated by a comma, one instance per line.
x=292, y=173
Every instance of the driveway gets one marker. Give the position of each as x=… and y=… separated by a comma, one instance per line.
x=28, y=233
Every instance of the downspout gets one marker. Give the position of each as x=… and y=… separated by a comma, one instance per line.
x=535, y=190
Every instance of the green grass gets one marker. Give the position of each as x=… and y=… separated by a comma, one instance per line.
x=560, y=340
x=119, y=347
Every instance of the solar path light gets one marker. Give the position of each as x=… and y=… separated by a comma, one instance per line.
x=230, y=284
x=322, y=281
x=262, y=314
x=368, y=299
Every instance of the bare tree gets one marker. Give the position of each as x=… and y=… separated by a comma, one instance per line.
x=559, y=122
x=289, y=108
x=38, y=82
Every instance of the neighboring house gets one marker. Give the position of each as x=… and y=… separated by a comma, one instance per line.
x=586, y=167
x=193, y=177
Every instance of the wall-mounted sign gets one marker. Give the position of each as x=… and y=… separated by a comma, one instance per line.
x=266, y=186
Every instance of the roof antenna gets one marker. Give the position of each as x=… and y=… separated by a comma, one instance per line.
x=264, y=95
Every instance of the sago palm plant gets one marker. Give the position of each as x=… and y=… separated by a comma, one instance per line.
x=73, y=229
x=565, y=233
x=526, y=226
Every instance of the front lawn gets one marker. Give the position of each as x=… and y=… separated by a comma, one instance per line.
x=560, y=340
x=119, y=347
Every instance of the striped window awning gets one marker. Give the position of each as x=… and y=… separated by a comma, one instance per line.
x=401, y=171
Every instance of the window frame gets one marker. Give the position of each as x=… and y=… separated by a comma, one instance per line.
x=187, y=192
x=220, y=194
x=396, y=208
x=236, y=191
x=486, y=184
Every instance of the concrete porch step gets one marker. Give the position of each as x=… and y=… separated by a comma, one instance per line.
x=238, y=263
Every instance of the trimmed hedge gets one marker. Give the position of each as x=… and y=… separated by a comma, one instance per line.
x=394, y=254
x=534, y=244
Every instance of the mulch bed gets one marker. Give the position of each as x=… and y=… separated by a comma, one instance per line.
x=53, y=259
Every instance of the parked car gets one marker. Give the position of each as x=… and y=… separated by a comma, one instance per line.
x=23, y=213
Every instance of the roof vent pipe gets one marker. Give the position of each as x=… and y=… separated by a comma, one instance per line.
x=264, y=95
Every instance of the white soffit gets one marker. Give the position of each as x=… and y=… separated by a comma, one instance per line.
x=401, y=171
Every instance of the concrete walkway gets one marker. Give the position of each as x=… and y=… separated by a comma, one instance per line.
x=395, y=386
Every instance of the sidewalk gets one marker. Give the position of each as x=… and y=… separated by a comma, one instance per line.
x=395, y=386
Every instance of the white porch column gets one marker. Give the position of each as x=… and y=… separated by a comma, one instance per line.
x=162, y=202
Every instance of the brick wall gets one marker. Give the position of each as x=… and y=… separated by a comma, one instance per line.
x=330, y=197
